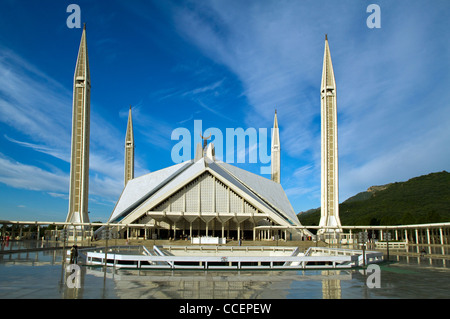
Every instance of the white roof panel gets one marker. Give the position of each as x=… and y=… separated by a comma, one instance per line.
x=265, y=188
x=140, y=188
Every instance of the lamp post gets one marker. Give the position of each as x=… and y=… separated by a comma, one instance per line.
x=363, y=237
x=387, y=235
x=64, y=235
x=106, y=234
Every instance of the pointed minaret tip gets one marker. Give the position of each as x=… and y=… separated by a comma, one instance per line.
x=129, y=149
x=84, y=26
x=275, y=151
x=326, y=37
x=275, y=120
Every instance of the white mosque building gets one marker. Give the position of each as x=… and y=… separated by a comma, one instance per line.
x=202, y=196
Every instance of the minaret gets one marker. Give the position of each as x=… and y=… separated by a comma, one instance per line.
x=79, y=162
x=275, y=151
x=129, y=150
x=329, y=153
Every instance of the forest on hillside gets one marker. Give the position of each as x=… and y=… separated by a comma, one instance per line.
x=420, y=200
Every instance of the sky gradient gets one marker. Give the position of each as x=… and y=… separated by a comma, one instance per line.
x=229, y=64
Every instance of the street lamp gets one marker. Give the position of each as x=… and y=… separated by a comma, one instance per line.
x=64, y=235
x=387, y=235
x=106, y=234
x=363, y=237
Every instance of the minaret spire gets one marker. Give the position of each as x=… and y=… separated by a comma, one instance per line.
x=79, y=163
x=329, y=152
x=275, y=151
x=129, y=150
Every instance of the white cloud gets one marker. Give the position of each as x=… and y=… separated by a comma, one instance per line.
x=42, y=148
x=391, y=83
x=19, y=175
x=40, y=108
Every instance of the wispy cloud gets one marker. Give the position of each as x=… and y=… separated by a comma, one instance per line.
x=31, y=102
x=41, y=148
x=390, y=84
x=39, y=108
x=30, y=177
x=204, y=89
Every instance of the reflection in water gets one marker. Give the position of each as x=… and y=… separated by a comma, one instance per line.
x=42, y=275
x=131, y=284
x=331, y=288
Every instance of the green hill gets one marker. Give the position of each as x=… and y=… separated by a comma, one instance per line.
x=423, y=199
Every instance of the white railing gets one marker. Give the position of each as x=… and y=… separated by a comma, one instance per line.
x=392, y=244
x=209, y=240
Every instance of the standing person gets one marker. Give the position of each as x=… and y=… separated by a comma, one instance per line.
x=76, y=255
x=72, y=253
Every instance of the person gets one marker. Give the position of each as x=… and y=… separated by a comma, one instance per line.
x=74, y=254
x=423, y=252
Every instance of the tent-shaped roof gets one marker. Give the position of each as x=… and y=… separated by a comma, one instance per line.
x=145, y=192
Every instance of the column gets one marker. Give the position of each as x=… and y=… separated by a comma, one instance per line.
x=223, y=230
x=441, y=237
x=417, y=236
x=428, y=236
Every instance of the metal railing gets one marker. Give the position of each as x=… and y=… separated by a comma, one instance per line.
x=339, y=259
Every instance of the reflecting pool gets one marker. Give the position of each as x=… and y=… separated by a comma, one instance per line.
x=42, y=275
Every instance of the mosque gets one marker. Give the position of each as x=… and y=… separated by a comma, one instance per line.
x=202, y=196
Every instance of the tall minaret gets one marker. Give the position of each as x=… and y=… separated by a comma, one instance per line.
x=79, y=163
x=330, y=182
x=275, y=151
x=129, y=150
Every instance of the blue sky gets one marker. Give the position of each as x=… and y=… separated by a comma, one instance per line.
x=230, y=64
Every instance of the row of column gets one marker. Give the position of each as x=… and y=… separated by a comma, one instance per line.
x=13, y=233
x=76, y=232
x=429, y=236
x=264, y=234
